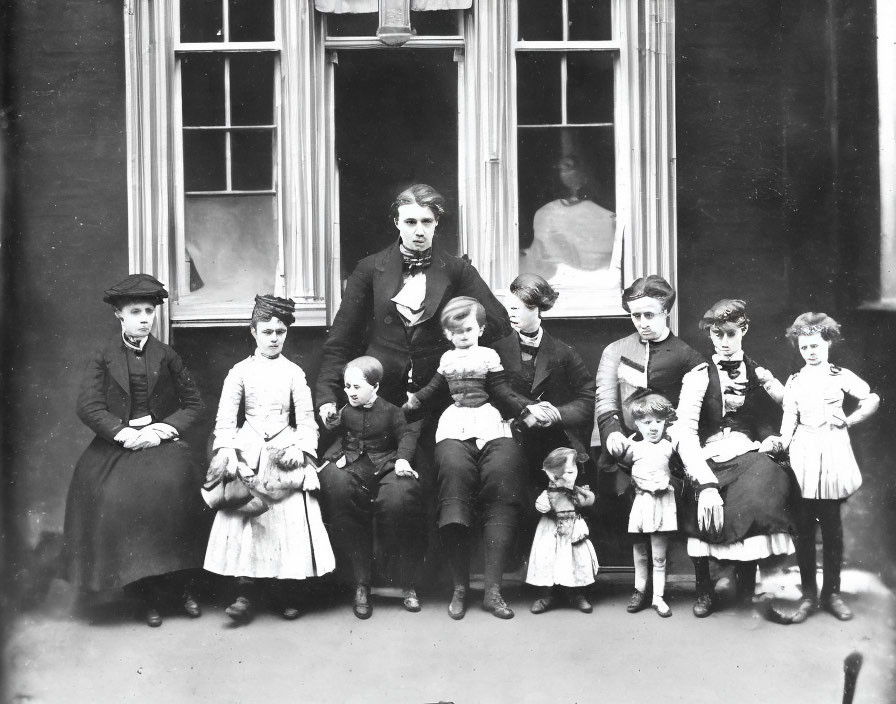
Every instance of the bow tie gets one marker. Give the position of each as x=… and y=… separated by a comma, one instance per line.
x=416, y=262
x=528, y=349
x=731, y=366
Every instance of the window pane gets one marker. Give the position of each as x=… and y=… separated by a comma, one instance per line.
x=252, y=157
x=589, y=87
x=567, y=205
x=589, y=20
x=205, y=167
x=252, y=89
x=540, y=20
x=201, y=20
x=538, y=89
x=231, y=247
x=436, y=23
x=202, y=85
x=352, y=24
x=251, y=20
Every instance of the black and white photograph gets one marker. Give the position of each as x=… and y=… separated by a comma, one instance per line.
x=447, y=351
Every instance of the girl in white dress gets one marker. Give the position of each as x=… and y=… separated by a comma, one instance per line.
x=653, y=509
x=278, y=533
x=562, y=556
x=814, y=428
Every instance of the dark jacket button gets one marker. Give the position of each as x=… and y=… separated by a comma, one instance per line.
x=388, y=320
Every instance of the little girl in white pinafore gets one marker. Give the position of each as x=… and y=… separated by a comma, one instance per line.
x=562, y=558
x=653, y=511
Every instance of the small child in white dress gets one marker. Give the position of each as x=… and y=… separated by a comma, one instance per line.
x=814, y=428
x=279, y=533
x=653, y=509
x=562, y=557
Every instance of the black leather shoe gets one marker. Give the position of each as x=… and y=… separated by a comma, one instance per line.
x=580, y=602
x=662, y=608
x=545, y=603
x=457, y=609
x=411, y=601
x=290, y=613
x=191, y=606
x=240, y=610
x=834, y=605
x=362, y=606
x=806, y=608
x=637, y=603
x=153, y=618
x=703, y=606
x=494, y=602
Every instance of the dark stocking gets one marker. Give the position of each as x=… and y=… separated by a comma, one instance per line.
x=745, y=577
x=499, y=540
x=456, y=542
x=701, y=575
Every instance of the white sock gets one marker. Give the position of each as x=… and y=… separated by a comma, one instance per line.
x=639, y=552
x=658, y=543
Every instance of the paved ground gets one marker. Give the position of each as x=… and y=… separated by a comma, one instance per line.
x=563, y=656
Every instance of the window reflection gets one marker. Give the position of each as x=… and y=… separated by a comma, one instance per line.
x=231, y=247
x=568, y=177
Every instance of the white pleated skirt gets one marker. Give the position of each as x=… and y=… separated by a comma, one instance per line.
x=824, y=463
x=288, y=541
x=556, y=560
x=653, y=513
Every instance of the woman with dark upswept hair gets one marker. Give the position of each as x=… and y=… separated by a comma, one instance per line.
x=555, y=377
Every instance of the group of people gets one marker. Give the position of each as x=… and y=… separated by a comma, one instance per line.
x=450, y=407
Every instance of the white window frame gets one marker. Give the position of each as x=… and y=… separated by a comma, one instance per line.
x=487, y=208
x=155, y=178
x=886, y=89
x=216, y=313
x=645, y=139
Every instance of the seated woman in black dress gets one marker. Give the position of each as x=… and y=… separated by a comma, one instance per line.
x=134, y=514
x=756, y=490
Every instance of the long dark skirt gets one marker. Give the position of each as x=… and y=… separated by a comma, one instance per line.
x=758, y=496
x=131, y=515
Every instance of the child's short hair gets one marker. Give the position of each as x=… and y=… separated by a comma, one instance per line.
x=811, y=323
x=558, y=459
x=651, y=404
x=370, y=367
x=458, y=309
x=728, y=311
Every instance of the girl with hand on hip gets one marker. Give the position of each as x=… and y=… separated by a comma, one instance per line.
x=815, y=430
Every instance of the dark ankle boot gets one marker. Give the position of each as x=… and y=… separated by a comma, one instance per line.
x=240, y=610
x=494, y=602
x=703, y=605
x=457, y=609
x=362, y=606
